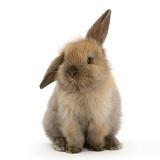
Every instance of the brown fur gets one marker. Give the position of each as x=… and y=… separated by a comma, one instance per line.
x=84, y=109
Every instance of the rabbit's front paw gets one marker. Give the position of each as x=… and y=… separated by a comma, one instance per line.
x=59, y=144
x=70, y=149
x=96, y=148
x=112, y=143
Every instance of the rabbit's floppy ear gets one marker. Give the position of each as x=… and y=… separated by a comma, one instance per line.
x=51, y=72
x=99, y=29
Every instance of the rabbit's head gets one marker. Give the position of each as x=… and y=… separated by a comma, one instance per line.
x=82, y=63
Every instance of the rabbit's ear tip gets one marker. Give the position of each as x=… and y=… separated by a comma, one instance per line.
x=108, y=10
x=41, y=86
x=107, y=13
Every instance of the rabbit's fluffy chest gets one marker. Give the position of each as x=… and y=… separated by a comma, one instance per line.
x=84, y=108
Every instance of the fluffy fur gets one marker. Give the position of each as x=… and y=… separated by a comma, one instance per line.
x=84, y=109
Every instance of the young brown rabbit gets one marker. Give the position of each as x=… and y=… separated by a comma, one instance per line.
x=84, y=109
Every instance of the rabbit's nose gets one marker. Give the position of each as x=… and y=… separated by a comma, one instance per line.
x=72, y=71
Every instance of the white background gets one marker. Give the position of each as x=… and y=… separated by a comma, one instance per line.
x=31, y=34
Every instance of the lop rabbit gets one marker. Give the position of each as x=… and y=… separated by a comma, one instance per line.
x=84, y=109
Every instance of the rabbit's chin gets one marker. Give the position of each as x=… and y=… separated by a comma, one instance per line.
x=69, y=87
x=71, y=84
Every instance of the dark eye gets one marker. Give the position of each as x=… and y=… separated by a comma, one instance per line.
x=90, y=60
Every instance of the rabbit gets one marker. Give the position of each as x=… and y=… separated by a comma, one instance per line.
x=85, y=107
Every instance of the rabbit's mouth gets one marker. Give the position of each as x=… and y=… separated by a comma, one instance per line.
x=72, y=81
x=76, y=83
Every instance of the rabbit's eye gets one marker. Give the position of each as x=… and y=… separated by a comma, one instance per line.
x=90, y=60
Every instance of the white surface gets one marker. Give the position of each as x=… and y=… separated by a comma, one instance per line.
x=32, y=32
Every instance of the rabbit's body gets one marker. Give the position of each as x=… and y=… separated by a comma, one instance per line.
x=84, y=109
